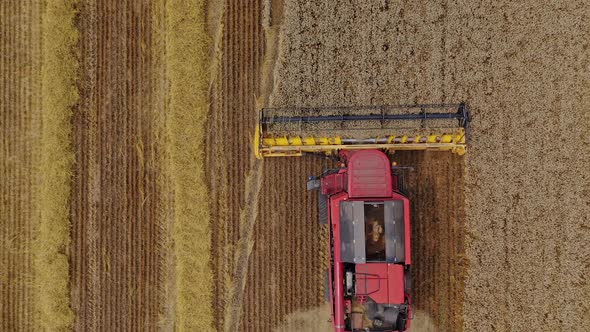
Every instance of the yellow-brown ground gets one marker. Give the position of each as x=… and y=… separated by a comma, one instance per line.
x=282, y=273
x=20, y=130
x=38, y=68
x=140, y=201
x=123, y=133
x=117, y=230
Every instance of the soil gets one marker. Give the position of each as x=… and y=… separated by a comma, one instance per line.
x=20, y=123
x=117, y=232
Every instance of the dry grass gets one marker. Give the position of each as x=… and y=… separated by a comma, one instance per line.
x=423, y=323
x=271, y=35
x=59, y=70
x=216, y=17
x=187, y=58
x=313, y=320
x=167, y=295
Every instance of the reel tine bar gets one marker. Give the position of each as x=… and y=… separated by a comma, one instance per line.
x=306, y=115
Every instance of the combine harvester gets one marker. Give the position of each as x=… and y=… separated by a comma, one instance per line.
x=368, y=283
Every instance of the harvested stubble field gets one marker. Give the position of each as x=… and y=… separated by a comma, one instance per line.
x=265, y=236
x=140, y=230
x=118, y=228
x=103, y=109
x=37, y=86
x=20, y=94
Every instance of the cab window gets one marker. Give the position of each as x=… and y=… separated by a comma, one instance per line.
x=374, y=232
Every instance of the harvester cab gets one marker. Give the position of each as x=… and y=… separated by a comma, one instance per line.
x=361, y=201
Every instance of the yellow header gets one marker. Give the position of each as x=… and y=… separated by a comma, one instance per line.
x=285, y=146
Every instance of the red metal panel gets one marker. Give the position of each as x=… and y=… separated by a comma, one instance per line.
x=383, y=282
x=369, y=174
x=395, y=279
x=335, y=221
x=333, y=183
x=371, y=280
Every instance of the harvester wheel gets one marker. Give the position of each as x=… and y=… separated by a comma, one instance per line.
x=402, y=324
x=407, y=280
x=323, y=209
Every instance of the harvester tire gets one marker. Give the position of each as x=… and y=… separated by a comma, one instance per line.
x=407, y=280
x=402, y=324
x=323, y=209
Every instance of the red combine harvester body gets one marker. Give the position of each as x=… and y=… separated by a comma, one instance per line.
x=369, y=219
x=368, y=282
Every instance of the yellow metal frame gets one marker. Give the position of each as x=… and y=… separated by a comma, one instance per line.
x=286, y=146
